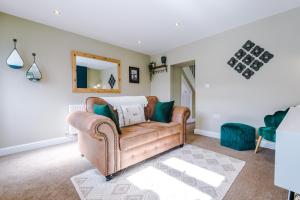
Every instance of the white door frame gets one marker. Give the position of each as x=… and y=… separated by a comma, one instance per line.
x=185, y=85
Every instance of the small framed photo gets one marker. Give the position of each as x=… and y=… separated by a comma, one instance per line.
x=134, y=75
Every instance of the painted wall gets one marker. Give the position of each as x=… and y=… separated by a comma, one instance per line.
x=231, y=98
x=30, y=111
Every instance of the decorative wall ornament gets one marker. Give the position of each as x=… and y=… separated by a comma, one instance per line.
x=14, y=60
x=33, y=73
x=240, y=54
x=266, y=57
x=134, y=75
x=256, y=65
x=112, y=81
x=257, y=50
x=248, y=45
x=248, y=73
x=163, y=60
x=240, y=67
x=232, y=62
x=249, y=59
x=151, y=67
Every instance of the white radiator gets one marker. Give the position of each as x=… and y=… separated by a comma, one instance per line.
x=73, y=108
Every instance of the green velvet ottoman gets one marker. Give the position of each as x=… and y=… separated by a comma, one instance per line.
x=238, y=136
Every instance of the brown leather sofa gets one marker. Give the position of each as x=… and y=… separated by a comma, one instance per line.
x=111, y=152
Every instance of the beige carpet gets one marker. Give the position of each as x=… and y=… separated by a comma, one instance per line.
x=189, y=173
x=45, y=173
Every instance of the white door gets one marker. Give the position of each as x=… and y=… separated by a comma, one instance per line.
x=186, y=96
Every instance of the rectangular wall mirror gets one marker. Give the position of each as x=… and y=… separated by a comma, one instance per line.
x=92, y=73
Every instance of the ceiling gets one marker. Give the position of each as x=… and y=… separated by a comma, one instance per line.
x=146, y=26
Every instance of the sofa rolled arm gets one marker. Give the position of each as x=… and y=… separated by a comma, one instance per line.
x=181, y=115
x=100, y=128
x=91, y=123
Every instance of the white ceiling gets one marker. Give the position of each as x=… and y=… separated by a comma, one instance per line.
x=125, y=22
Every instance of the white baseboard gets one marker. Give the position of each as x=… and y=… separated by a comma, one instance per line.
x=264, y=143
x=35, y=145
x=207, y=133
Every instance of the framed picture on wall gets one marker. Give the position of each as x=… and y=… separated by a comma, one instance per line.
x=134, y=75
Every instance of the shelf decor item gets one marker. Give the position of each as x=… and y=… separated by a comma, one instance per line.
x=163, y=60
x=14, y=60
x=33, y=73
x=151, y=67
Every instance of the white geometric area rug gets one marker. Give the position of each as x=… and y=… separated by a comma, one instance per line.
x=188, y=173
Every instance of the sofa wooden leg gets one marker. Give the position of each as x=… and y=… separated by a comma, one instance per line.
x=180, y=146
x=258, y=143
x=109, y=177
x=82, y=155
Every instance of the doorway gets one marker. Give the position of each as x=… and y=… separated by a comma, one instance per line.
x=183, y=86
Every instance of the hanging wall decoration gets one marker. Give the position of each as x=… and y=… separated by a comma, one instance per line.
x=112, y=81
x=14, y=60
x=33, y=73
x=134, y=75
x=249, y=59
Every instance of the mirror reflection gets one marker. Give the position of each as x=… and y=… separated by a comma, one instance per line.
x=95, y=73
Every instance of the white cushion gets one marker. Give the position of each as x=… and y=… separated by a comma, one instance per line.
x=130, y=114
x=126, y=100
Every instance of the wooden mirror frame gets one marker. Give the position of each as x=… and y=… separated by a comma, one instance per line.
x=93, y=90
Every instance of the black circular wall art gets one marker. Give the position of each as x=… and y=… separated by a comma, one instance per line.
x=249, y=58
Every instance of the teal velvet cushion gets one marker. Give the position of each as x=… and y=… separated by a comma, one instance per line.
x=105, y=110
x=268, y=133
x=163, y=112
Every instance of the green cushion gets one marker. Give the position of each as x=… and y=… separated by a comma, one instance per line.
x=105, y=110
x=163, y=112
x=268, y=133
x=238, y=136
